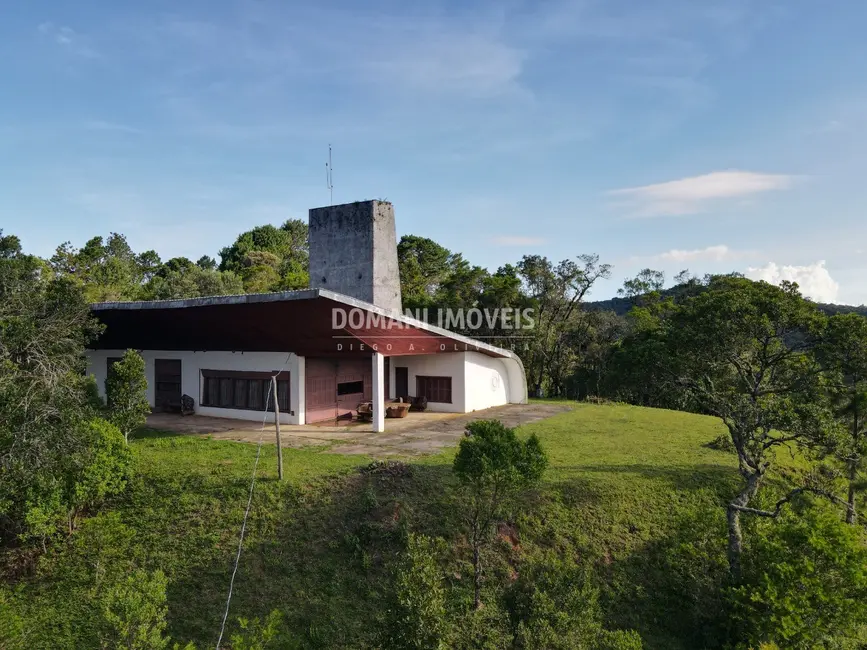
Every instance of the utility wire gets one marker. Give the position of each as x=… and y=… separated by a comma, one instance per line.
x=247, y=511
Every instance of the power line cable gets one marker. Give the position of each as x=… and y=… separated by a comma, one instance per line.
x=247, y=510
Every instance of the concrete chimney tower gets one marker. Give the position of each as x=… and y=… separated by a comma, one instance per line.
x=353, y=251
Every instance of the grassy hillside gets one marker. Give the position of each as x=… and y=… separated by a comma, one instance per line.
x=635, y=493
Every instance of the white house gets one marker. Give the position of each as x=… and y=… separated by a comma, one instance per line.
x=334, y=345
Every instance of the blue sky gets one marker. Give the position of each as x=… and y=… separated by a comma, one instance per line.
x=674, y=134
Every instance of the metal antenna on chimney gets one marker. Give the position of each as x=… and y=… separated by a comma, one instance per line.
x=329, y=177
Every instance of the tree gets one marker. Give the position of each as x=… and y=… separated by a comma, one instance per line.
x=260, y=272
x=148, y=263
x=206, y=263
x=804, y=583
x=107, y=269
x=844, y=355
x=646, y=282
x=55, y=457
x=600, y=333
x=289, y=244
x=423, y=265
x=505, y=306
x=557, y=293
x=743, y=351
x=493, y=466
x=180, y=278
x=126, y=393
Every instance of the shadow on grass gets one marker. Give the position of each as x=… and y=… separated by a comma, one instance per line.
x=672, y=587
x=321, y=555
x=150, y=434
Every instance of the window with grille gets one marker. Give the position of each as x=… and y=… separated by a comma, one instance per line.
x=436, y=389
x=249, y=391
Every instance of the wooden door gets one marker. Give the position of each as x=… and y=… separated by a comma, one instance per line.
x=167, y=385
x=401, y=381
x=320, y=388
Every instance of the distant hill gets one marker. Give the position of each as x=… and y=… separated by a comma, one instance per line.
x=621, y=306
x=832, y=309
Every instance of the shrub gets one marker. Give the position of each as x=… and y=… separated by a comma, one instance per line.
x=107, y=467
x=723, y=442
x=97, y=469
x=12, y=625
x=256, y=634
x=486, y=628
x=554, y=605
x=126, y=393
x=804, y=583
x=95, y=593
x=134, y=612
x=417, y=617
x=493, y=466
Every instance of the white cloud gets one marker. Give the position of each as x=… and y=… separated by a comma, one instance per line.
x=691, y=195
x=814, y=280
x=717, y=253
x=67, y=38
x=516, y=240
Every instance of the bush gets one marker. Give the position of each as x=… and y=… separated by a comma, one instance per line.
x=12, y=625
x=134, y=612
x=554, y=605
x=417, y=618
x=82, y=480
x=94, y=593
x=804, y=583
x=481, y=629
x=256, y=634
x=126, y=393
x=107, y=467
x=723, y=442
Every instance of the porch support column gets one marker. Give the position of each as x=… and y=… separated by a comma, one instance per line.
x=299, y=383
x=378, y=392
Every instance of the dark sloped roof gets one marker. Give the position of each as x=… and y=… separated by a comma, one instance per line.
x=288, y=321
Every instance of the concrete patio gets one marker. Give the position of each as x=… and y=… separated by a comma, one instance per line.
x=417, y=434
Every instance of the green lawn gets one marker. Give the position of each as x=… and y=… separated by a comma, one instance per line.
x=628, y=489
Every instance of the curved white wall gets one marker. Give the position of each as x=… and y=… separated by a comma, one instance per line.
x=486, y=381
x=479, y=381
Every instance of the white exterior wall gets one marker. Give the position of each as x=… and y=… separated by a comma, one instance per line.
x=486, y=381
x=478, y=380
x=437, y=365
x=192, y=363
